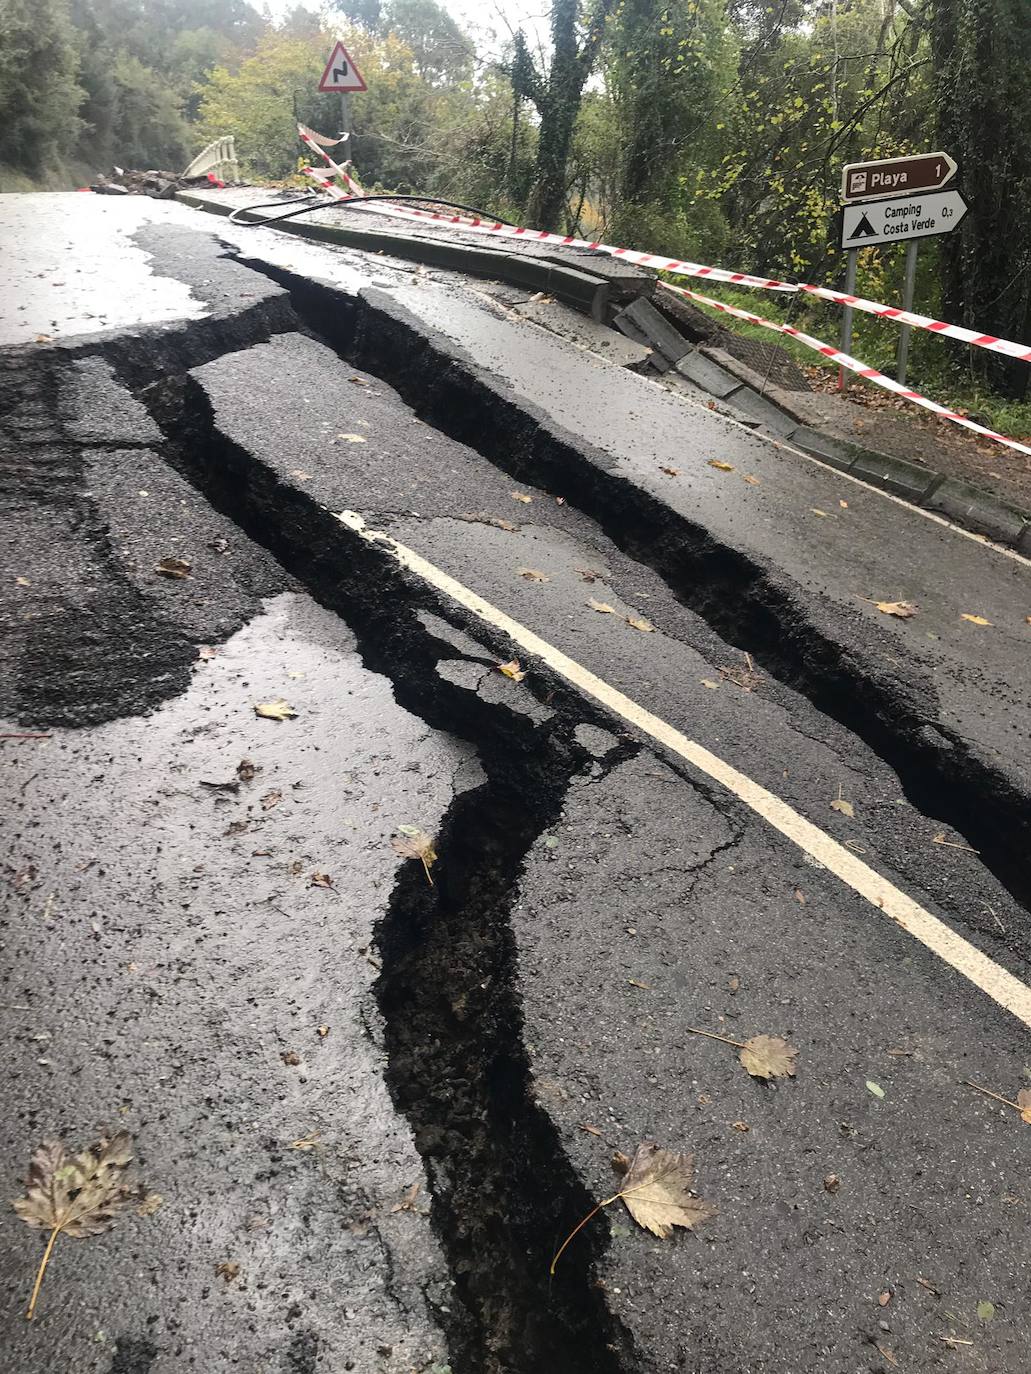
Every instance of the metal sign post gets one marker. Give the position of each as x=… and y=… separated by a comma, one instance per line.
x=342, y=75
x=851, y=264
x=908, y=288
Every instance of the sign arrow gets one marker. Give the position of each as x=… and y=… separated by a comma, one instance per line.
x=899, y=176
x=341, y=74
x=900, y=219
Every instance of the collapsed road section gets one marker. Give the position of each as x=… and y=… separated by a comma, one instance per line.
x=377, y=1092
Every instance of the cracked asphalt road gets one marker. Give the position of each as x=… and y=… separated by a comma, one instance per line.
x=387, y=1101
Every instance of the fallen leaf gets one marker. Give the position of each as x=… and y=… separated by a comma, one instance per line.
x=902, y=610
x=645, y=987
x=174, y=567
x=767, y=1056
x=149, y=1204
x=206, y=651
x=321, y=880
x=952, y=844
x=657, y=1191
x=413, y=843
x=831, y=1183
x=985, y=1311
x=670, y=472
x=359, y=381
x=752, y=481
x=816, y=511
x=874, y=1088
x=512, y=670
x=843, y=505
x=1027, y=620
x=708, y=682
x=77, y=1195
x=521, y=496
x=43, y=338
x=290, y=1058
x=532, y=575
x=407, y=1203
x=233, y=786
x=884, y=1299
x=639, y=623
x=245, y=770
x=740, y=1126
x=482, y=518
x=591, y=1130
x=323, y=1031
x=975, y=619
x=1024, y=1103
x=275, y=710
x=306, y=1142
x=722, y=467
x=602, y=607
x=228, y=1270
x=22, y=582
x=926, y=1283
x=353, y=438
x=799, y=896
x=271, y=799
x=845, y=807
x=886, y=1354
x=590, y=575
x=300, y=474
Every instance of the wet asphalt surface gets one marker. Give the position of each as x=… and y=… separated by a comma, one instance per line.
x=168, y=956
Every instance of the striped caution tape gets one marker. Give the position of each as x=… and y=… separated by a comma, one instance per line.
x=861, y=369
x=693, y=269
x=870, y=374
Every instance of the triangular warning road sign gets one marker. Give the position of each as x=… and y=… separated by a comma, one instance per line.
x=863, y=230
x=341, y=74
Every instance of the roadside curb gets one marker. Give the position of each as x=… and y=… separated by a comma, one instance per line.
x=735, y=383
x=582, y=289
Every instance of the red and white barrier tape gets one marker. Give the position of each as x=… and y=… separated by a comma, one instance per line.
x=861, y=369
x=853, y=364
x=693, y=269
x=354, y=186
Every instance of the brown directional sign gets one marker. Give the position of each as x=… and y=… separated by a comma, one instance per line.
x=896, y=176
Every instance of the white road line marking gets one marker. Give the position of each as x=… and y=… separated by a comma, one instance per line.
x=992, y=979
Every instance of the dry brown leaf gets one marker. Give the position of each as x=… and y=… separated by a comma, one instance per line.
x=670, y=472
x=206, y=651
x=740, y=1126
x=521, y=496
x=752, y=481
x=228, y=1270
x=77, y=1195
x=512, y=670
x=275, y=710
x=24, y=582
x=634, y=983
x=831, y=1183
x=602, y=607
x=591, y=1130
x=323, y=1031
x=353, y=438
x=952, y=844
x=321, y=880
x=639, y=623
x=533, y=575
x=843, y=505
x=816, y=511
x=290, y=1058
x=708, y=682
x=902, y=610
x=722, y=467
x=177, y=568
x=1027, y=620
x=245, y=770
x=1024, y=1103
x=883, y=1299
x=359, y=381
x=306, y=1142
x=592, y=575
x=407, y=1203
x=413, y=843
x=975, y=619
x=845, y=807
x=271, y=799
x=768, y=1056
x=44, y=339
x=799, y=896
x=149, y=1204
x=657, y=1191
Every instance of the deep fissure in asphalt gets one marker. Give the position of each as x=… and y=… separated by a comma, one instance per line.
x=731, y=593
x=503, y=1193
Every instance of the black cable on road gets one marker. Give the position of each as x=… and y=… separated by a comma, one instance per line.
x=319, y=204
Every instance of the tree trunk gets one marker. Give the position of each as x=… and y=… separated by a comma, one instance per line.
x=982, y=52
x=559, y=105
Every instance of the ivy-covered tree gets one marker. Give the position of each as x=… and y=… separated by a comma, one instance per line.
x=982, y=51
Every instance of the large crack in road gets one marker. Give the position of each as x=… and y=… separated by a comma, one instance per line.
x=591, y=898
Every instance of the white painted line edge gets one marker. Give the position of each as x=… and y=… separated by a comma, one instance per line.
x=991, y=978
